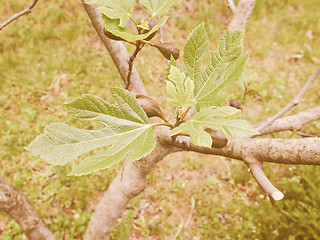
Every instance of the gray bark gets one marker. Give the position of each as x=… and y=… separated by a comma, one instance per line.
x=130, y=182
x=117, y=51
x=241, y=16
x=17, y=206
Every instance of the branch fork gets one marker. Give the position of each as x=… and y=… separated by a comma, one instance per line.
x=17, y=15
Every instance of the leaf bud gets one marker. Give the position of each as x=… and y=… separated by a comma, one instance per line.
x=151, y=108
x=234, y=103
x=168, y=49
x=112, y=36
x=151, y=25
x=218, y=139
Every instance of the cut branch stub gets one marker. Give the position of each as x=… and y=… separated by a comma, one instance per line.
x=168, y=50
x=263, y=181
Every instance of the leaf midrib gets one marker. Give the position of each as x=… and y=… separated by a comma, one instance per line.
x=144, y=126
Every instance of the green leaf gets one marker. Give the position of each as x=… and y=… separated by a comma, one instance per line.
x=112, y=25
x=158, y=7
x=230, y=128
x=119, y=9
x=179, y=88
x=140, y=142
x=229, y=49
x=206, y=87
x=194, y=51
x=126, y=129
x=91, y=108
x=172, y=62
x=209, y=96
x=144, y=25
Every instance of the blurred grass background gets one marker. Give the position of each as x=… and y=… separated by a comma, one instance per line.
x=53, y=55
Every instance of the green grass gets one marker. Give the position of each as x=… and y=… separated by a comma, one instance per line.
x=53, y=55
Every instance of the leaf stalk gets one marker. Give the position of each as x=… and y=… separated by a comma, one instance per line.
x=162, y=124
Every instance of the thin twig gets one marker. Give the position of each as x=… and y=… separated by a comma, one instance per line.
x=117, y=51
x=184, y=114
x=306, y=135
x=161, y=33
x=293, y=122
x=130, y=62
x=263, y=181
x=231, y=5
x=168, y=124
x=180, y=119
x=293, y=103
x=243, y=108
x=193, y=203
x=17, y=15
x=178, y=231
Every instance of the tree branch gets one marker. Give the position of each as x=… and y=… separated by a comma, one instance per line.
x=130, y=62
x=17, y=15
x=17, y=206
x=256, y=151
x=117, y=51
x=123, y=188
x=304, y=151
x=293, y=122
x=231, y=5
x=293, y=103
x=241, y=16
x=131, y=181
x=263, y=181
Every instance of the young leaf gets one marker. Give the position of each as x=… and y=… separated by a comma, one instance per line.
x=112, y=25
x=209, y=96
x=126, y=129
x=172, y=62
x=230, y=128
x=158, y=7
x=179, y=88
x=144, y=25
x=229, y=49
x=120, y=9
x=194, y=51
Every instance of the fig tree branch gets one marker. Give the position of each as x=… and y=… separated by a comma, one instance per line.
x=118, y=52
x=231, y=5
x=263, y=181
x=305, y=151
x=122, y=189
x=293, y=122
x=304, y=135
x=241, y=16
x=132, y=181
x=256, y=151
x=17, y=15
x=130, y=62
x=293, y=103
x=18, y=207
